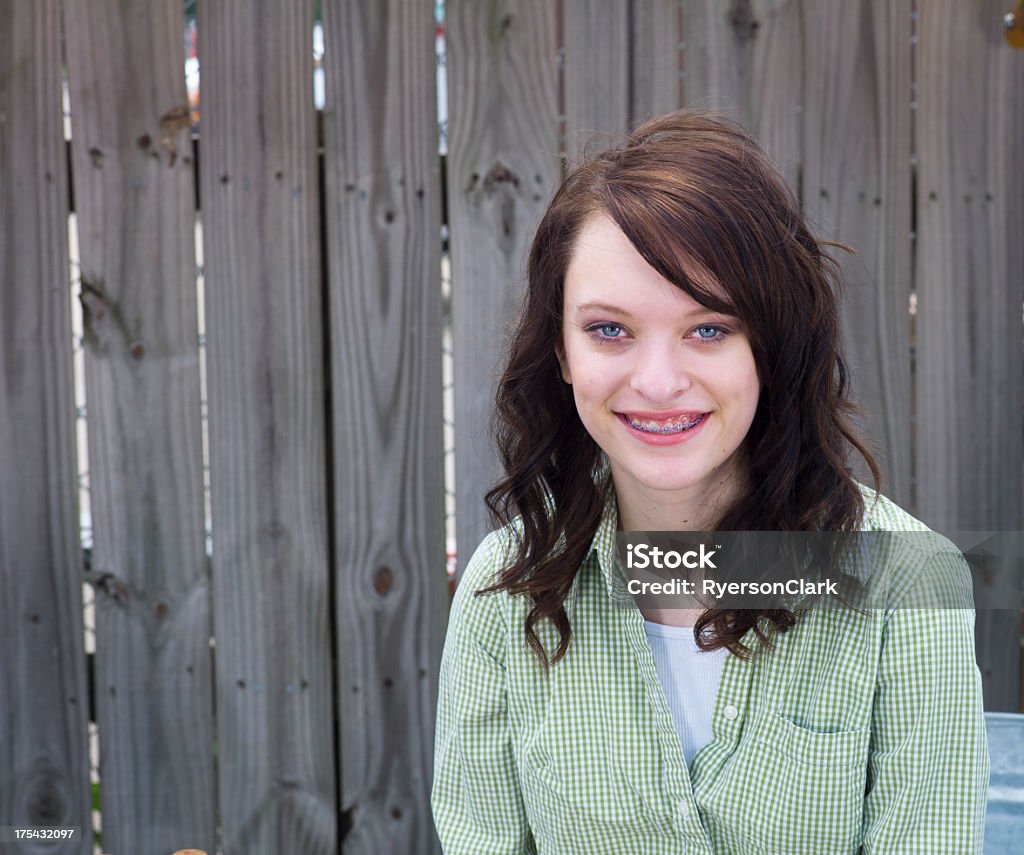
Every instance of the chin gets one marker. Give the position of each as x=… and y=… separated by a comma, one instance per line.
x=671, y=482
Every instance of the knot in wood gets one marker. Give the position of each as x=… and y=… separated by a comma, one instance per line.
x=382, y=580
x=275, y=530
x=499, y=176
x=115, y=589
x=45, y=802
x=175, y=120
x=94, y=307
x=498, y=27
x=743, y=22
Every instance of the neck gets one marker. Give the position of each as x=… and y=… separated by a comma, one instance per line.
x=698, y=510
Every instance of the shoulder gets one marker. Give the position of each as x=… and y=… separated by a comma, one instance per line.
x=883, y=514
x=482, y=618
x=923, y=568
x=489, y=559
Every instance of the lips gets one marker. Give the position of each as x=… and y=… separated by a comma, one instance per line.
x=666, y=425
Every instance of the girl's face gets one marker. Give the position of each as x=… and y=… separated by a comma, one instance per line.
x=666, y=387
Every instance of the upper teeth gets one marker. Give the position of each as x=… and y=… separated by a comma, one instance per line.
x=669, y=426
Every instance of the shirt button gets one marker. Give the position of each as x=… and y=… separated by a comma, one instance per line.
x=684, y=808
x=730, y=712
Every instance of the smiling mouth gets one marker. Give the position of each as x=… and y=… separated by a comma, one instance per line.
x=666, y=426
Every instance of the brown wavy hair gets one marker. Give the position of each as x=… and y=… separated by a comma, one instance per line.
x=684, y=188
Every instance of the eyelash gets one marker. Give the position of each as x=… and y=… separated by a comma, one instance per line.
x=595, y=332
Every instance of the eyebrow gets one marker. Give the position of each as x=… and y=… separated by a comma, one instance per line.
x=618, y=310
x=603, y=307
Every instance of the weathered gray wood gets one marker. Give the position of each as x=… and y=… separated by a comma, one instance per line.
x=743, y=60
x=44, y=770
x=595, y=71
x=383, y=243
x=656, y=58
x=970, y=203
x=503, y=165
x=136, y=206
x=969, y=282
x=275, y=742
x=857, y=188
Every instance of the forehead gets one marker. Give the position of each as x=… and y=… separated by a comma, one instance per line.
x=604, y=265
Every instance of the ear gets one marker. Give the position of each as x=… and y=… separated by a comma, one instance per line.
x=563, y=363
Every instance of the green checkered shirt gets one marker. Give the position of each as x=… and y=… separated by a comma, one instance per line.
x=854, y=733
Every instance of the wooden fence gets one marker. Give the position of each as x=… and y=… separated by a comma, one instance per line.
x=278, y=697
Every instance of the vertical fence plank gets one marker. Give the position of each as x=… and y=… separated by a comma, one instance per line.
x=503, y=165
x=744, y=59
x=970, y=202
x=384, y=257
x=134, y=189
x=44, y=773
x=267, y=429
x=655, y=58
x=596, y=70
x=267, y=458
x=856, y=183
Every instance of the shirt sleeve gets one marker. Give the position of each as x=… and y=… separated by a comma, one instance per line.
x=476, y=800
x=929, y=765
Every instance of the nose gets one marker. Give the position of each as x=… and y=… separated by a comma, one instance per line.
x=660, y=373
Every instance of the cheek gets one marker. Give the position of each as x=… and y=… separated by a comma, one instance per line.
x=747, y=388
x=738, y=390
x=752, y=384
x=575, y=370
x=591, y=399
x=748, y=396
x=582, y=395
x=591, y=387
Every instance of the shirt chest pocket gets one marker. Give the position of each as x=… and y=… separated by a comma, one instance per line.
x=795, y=790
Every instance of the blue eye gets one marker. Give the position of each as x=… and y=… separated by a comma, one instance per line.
x=710, y=332
x=605, y=331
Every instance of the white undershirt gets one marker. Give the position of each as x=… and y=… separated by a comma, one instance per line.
x=689, y=678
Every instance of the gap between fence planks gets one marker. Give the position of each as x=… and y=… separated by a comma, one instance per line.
x=44, y=773
x=382, y=202
x=275, y=744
